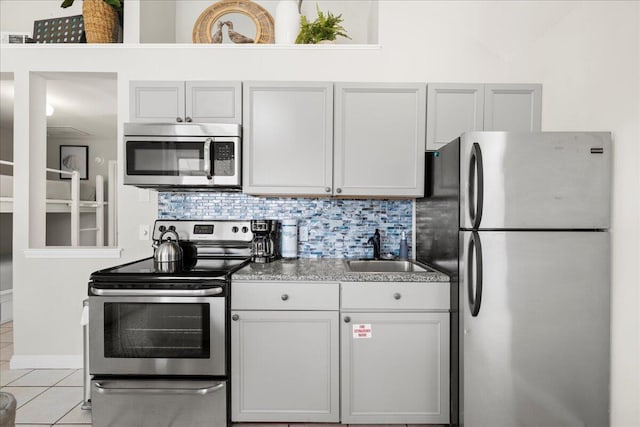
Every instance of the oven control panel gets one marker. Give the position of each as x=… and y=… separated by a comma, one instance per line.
x=205, y=231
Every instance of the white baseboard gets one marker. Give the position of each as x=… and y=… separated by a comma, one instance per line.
x=6, y=306
x=46, y=361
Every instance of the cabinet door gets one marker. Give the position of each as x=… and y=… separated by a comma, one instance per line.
x=395, y=368
x=285, y=366
x=513, y=107
x=213, y=102
x=379, y=139
x=157, y=102
x=288, y=139
x=453, y=108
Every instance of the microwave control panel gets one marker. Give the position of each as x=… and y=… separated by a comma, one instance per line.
x=223, y=159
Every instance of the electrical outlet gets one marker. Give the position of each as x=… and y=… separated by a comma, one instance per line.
x=143, y=232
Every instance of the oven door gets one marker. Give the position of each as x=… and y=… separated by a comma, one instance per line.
x=157, y=335
x=182, y=161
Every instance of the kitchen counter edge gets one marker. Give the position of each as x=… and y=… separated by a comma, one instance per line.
x=327, y=270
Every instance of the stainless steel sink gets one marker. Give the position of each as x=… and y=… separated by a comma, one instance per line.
x=382, y=266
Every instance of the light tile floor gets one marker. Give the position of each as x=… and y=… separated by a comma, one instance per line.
x=45, y=397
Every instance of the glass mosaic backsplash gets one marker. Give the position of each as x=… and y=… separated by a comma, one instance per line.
x=327, y=228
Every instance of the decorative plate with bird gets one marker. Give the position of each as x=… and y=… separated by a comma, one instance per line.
x=210, y=26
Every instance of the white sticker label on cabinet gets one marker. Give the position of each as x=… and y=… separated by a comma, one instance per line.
x=362, y=331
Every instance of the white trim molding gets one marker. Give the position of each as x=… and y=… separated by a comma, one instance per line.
x=46, y=361
x=69, y=252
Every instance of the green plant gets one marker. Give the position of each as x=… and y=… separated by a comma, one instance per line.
x=117, y=4
x=323, y=28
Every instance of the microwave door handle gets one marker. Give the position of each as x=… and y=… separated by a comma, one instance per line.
x=207, y=158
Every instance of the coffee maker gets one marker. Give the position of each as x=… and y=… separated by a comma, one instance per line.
x=265, y=246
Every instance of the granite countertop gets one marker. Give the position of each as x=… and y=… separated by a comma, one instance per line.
x=327, y=270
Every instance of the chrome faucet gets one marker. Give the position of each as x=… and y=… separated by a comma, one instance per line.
x=375, y=241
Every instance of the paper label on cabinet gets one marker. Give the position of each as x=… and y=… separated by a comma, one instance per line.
x=362, y=331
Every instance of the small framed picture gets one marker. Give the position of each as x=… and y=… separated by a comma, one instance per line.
x=74, y=158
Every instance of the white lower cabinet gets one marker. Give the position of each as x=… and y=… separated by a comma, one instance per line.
x=394, y=353
x=383, y=359
x=285, y=357
x=397, y=370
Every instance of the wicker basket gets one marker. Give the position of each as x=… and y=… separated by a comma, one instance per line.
x=101, y=21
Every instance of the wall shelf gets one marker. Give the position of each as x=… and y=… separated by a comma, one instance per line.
x=330, y=47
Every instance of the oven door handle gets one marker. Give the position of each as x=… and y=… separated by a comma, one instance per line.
x=157, y=292
x=199, y=391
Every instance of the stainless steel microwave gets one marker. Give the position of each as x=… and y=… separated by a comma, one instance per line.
x=188, y=156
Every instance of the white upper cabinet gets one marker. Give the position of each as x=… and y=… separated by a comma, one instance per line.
x=191, y=101
x=156, y=101
x=288, y=138
x=379, y=139
x=213, y=102
x=374, y=148
x=454, y=108
x=513, y=107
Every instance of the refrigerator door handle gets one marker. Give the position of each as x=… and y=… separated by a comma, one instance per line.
x=476, y=185
x=474, y=265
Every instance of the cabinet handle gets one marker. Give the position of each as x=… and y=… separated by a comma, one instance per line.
x=327, y=189
x=188, y=120
x=397, y=296
x=235, y=317
x=284, y=297
x=179, y=119
x=347, y=319
x=338, y=190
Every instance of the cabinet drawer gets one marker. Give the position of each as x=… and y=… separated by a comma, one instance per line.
x=285, y=296
x=395, y=296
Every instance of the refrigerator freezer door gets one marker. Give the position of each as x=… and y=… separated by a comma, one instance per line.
x=546, y=180
x=537, y=352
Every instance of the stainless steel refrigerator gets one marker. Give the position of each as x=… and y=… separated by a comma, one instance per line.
x=520, y=221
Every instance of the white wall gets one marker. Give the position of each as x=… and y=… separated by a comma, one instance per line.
x=158, y=21
x=586, y=55
x=18, y=15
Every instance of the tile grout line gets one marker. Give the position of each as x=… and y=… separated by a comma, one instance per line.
x=39, y=394
x=62, y=379
x=68, y=412
x=16, y=379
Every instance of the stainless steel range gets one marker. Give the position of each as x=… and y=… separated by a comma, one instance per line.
x=159, y=338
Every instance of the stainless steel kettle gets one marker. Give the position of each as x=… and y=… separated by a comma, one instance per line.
x=168, y=251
